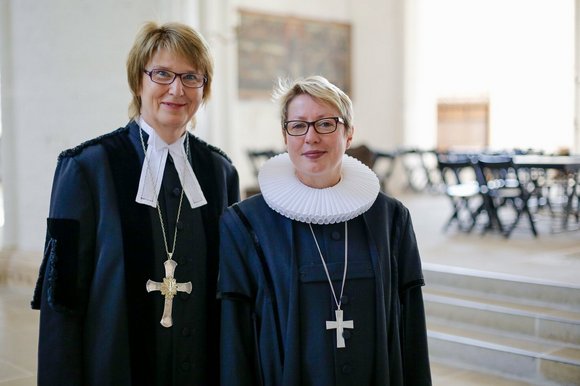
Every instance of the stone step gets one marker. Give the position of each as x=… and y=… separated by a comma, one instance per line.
x=541, y=363
x=449, y=374
x=542, y=323
x=499, y=286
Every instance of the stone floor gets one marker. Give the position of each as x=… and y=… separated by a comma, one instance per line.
x=552, y=257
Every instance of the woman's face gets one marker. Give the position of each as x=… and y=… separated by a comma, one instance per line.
x=317, y=158
x=168, y=108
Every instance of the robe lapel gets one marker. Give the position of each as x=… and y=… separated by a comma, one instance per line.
x=379, y=240
x=205, y=171
x=136, y=227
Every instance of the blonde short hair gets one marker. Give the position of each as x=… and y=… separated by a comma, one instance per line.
x=177, y=38
x=318, y=88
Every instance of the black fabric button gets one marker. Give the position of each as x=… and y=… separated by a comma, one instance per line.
x=176, y=192
x=336, y=235
x=180, y=225
x=346, y=334
x=344, y=299
x=186, y=331
x=169, y=159
x=346, y=369
x=185, y=366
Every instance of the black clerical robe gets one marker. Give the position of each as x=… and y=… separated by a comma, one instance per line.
x=276, y=300
x=98, y=324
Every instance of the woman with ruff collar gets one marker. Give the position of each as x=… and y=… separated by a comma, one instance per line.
x=320, y=274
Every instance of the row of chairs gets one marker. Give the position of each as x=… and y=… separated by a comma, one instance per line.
x=485, y=185
x=383, y=163
x=419, y=165
x=483, y=189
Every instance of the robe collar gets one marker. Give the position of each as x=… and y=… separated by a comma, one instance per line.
x=152, y=170
x=286, y=194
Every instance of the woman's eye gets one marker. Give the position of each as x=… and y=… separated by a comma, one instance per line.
x=298, y=125
x=191, y=77
x=162, y=74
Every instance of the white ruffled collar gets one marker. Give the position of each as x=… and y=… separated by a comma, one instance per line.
x=284, y=193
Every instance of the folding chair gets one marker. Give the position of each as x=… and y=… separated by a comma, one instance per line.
x=364, y=154
x=257, y=158
x=460, y=185
x=384, y=166
x=502, y=188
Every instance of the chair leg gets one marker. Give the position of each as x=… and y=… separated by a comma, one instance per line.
x=453, y=217
x=532, y=221
x=495, y=218
x=492, y=216
x=475, y=215
x=523, y=207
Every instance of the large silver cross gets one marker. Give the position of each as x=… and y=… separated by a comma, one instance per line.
x=339, y=325
x=168, y=288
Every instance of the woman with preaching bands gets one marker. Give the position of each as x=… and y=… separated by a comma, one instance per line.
x=127, y=286
x=320, y=276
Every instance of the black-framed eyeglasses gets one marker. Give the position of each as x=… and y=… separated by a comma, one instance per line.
x=325, y=125
x=188, y=79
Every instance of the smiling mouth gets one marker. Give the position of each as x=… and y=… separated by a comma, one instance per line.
x=173, y=105
x=314, y=153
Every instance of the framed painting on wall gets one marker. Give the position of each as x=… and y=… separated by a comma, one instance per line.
x=273, y=46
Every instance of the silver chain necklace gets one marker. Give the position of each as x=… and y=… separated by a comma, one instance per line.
x=169, y=253
x=340, y=324
x=169, y=287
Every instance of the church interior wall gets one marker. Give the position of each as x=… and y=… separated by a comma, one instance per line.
x=494, y=51
x=63, y=81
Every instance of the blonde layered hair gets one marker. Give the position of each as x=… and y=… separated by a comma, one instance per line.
x=178, y=39
x=319, y=88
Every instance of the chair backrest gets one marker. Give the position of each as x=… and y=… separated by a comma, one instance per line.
x=364, y=154
x=258, y=157
x=497, y=172
x=455, y=169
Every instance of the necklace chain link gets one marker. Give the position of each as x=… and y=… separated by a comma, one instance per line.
x=337, y=301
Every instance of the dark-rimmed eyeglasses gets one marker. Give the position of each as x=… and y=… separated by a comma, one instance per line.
x=188, y=79
x=325, y=125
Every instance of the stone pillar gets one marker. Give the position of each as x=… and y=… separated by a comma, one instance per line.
x=9, y=168
x=576, y=148
x=379, y=38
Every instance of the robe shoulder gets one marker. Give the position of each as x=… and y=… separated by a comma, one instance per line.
x=72, y=152
x=200, y=143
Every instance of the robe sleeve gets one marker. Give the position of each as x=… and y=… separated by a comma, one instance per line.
x=415, y=354
x=64, y=277
x=239, y=363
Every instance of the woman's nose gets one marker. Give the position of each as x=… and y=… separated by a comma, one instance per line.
x=176, y=88
x=311, y=135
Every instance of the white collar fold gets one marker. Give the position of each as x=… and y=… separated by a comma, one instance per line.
x=284, y=193
x=154, y=166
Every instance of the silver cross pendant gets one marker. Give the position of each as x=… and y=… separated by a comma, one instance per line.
x=168, y=288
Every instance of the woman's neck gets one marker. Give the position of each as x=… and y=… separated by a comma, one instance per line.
x=318, y=182
x=169, y=135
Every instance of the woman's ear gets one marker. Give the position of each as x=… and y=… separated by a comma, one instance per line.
x=349, y=137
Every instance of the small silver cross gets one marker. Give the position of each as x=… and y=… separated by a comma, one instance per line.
x=339, y=325
x=168, y=288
